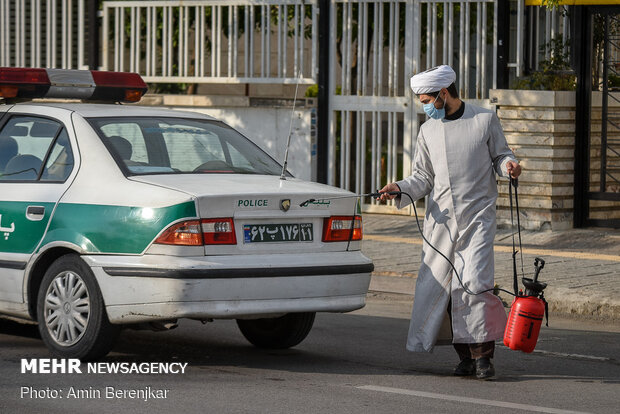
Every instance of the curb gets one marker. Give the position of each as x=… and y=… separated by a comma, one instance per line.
x=570, y=303
x=563, y=301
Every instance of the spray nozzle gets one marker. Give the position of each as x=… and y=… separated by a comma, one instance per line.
x=374, y=195
x=379, y=193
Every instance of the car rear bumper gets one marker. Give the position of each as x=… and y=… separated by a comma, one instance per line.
x=230, y=309
x=150, y=288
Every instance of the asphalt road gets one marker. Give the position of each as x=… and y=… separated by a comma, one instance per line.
x=350, y=363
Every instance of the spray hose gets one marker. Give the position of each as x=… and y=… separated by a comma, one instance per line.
x=456, y=272
x=495, y=290
x=533, y=287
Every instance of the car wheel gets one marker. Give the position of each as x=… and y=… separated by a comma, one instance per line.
x=277, y=333
x=72, y=319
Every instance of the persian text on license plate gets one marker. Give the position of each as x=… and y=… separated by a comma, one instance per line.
x=296, y=232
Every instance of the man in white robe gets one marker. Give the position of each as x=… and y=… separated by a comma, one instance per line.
x=459, y=151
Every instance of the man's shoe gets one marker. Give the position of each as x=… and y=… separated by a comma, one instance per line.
x=465, y=368
x=484, y=369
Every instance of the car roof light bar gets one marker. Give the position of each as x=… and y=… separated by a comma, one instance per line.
x=71, y=84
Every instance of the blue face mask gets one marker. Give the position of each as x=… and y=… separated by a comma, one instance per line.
x=433, y=112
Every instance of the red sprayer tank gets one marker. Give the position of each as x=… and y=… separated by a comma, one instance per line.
x=524, y=320
x=526, y=314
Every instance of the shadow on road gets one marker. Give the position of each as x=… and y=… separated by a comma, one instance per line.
x=366, y=345
x=9, y=327
x=342, y=344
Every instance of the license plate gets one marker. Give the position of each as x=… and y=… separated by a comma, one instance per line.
x=297, y=232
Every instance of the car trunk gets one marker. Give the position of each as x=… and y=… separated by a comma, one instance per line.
x=267, y=212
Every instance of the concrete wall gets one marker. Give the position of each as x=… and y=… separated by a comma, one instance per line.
x=265, y=121
x=540, y=128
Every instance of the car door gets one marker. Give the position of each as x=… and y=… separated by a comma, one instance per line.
x=36, y=164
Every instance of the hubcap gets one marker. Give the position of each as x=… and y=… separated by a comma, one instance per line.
x=67, y=308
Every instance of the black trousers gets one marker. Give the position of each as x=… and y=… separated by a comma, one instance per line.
x=473, y=351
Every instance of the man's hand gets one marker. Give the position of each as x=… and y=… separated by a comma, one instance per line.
x=514, y=169
x=388, y=188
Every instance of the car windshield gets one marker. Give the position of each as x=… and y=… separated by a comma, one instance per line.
x=180, y=146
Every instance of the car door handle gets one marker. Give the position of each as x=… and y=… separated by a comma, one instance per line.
x=35, y=213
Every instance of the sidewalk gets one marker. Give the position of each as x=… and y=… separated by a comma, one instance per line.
x=582, y=266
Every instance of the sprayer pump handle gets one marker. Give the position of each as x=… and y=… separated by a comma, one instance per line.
x=538, y=264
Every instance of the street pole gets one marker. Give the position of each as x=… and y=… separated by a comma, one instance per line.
x=503, y=43
x=582, y=43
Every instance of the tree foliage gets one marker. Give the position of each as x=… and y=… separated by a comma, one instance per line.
x=555, y=73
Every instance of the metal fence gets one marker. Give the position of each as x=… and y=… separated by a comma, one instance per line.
x=537, y=27
x=234, y=41
x=212, y=41
x=43, y=33
x=376, y=46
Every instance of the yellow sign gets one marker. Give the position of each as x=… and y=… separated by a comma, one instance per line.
x=573, y=2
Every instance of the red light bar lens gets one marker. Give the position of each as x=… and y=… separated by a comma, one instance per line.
x=118, y=86
x=338, y=228
x=219, y=231
x=23, y=82
x=118, y=79
x=23, y=75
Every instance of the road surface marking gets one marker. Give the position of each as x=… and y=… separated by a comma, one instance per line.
x=506, y=249
x=563, y=354
x=579, y=356
x=470, y=400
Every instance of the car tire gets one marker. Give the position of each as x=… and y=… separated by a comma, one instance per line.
x=73, y=322
x=277, y=333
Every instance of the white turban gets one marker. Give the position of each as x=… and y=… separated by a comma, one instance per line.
x=433, y=80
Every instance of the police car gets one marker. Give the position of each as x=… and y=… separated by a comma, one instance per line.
x=118, y=215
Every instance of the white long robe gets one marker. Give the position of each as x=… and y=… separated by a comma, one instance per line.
x=455, y=164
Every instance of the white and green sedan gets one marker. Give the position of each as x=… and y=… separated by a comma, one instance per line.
x=115, y=215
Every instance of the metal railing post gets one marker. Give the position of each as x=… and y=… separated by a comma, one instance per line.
x=93, y=36
x=323, y=108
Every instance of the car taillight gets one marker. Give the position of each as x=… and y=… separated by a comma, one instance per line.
x=338, y=228
x=219, y=231
x=186, y=233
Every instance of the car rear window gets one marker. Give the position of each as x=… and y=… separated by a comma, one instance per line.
x=180, y=146
x=34, y=149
